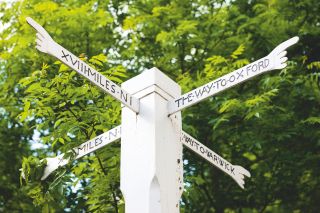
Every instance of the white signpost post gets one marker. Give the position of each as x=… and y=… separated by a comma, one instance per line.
x=151, y=130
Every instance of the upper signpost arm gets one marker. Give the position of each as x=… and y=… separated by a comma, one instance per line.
x=47, y=45
x=275, y=60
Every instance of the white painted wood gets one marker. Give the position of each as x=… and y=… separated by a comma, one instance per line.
x=236, y=172
x=275, y=60
x=82, y=150
x=47, y=45
x=151, y=151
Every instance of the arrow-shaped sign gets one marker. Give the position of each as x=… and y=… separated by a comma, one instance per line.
x=82, y=150
x=46, y=44
x=236, y=172
x=275, y=60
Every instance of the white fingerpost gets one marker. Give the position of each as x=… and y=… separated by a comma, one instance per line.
x=151, y=151
x=151, y=134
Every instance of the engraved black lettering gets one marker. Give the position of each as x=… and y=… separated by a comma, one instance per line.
x=204, y=90
x=73, y=63
x=123, y=96
x=221, y=162
x=223, y=82
x=107, y=84
x=188, y=140
x=100, y=79
x=233, y=78
x=260, y=64
x=183, y=99
x=266, y=62
x=88, y=71
x=254, y=68
x=83, y=148
x=207, y=88
x=215, y=158
x=240, y=75
x=61, y=159
x=90, y=145
x=232, y=170
x=210, y=86
x=197, y=145
x=202, y=149
x=190, y=95
x=217, y=83
x=98, y=141
x=64, y=55
x=198, y=93
x=113, y=134
x=113, y=88
x=226, y=166
x=178, y=102
x=248, y=69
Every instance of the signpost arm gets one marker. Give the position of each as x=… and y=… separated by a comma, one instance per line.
x=275, y=60
x=47, y=45
x=82, y=150
x=236, y=172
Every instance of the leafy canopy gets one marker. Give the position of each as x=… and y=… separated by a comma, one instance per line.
x=269, y=125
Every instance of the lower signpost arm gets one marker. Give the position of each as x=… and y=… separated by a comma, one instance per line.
x=82, y=150
x=236, y=172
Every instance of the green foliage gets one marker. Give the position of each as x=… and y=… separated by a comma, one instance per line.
x=31, y=173
x=49, y=194
x=45, y=193
x=72, y=111
x=32, y=169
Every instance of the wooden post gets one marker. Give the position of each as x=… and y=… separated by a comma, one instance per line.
x=151, y=150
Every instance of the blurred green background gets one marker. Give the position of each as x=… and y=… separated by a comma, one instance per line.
x=269, y=125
